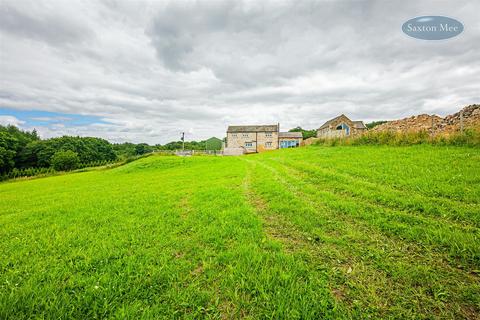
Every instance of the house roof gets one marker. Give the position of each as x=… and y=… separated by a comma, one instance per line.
x=326, y=124
x=290, y=135
x=257, y=128
x=357, y=124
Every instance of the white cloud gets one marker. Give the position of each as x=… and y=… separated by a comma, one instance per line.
x=10, y=120
x=155, y=69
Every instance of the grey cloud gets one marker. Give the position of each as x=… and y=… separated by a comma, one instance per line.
x=266, y=44
x=154, y=69
x=47, y=26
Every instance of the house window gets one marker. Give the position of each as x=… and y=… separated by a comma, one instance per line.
x=248, y=144
x=234, y=135
x=268, y=134
x=268, y=144
x=289, y=143
x=245, y=135
x=343, y=126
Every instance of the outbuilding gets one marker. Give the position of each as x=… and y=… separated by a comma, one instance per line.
x=290, y=139
x=341, y=126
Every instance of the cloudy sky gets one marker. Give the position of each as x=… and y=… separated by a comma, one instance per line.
x=145, y=71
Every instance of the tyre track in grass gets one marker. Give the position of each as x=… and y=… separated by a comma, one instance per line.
x=418, y=170
x=278, y=230
x=459, y=241
x=251, y=278
x=447, y=209
x=293, y=242
x=392, y=271
x=324, y=255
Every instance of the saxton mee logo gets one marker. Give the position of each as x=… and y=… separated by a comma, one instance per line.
x=432, y=27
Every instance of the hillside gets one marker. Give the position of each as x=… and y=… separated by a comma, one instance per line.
x=315, y=232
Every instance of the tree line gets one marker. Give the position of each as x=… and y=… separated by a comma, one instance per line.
x=24, y=151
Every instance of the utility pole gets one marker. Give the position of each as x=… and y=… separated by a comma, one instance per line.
x=183, y=141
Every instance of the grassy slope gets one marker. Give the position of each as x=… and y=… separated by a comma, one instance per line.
x=304, y=233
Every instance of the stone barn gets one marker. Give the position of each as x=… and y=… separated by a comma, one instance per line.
x=341, y=126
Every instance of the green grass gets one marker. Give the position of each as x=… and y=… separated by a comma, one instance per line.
x=308, y=233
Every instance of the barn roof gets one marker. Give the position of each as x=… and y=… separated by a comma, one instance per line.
x=255, y=128
x=326, y=124
x=290, y=135
x=357, y=124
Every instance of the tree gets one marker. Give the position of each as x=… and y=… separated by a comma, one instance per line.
x=213, y=144
x=373, y=124
x=124, y=150
x=12, y=143
x=305, y=133
x=142, y=148
x=65, y=160
x=174, y=145
x=8, y=146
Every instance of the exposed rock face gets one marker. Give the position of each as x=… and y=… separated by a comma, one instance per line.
x=434, y=123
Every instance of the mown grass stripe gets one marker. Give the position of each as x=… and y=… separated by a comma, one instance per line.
x=460, y=243
x=386, y=196
x=386, y=270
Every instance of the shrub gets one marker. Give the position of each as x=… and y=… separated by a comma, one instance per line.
x=65, y=160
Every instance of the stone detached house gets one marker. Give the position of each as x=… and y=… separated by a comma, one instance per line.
x=341, y=126
x=259, y=138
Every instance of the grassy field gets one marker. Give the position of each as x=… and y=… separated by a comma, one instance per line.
x=316, y=232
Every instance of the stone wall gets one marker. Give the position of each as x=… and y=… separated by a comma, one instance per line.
x=267, y=141
x=310, y=141
x=233, y=151
x=261, y=141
